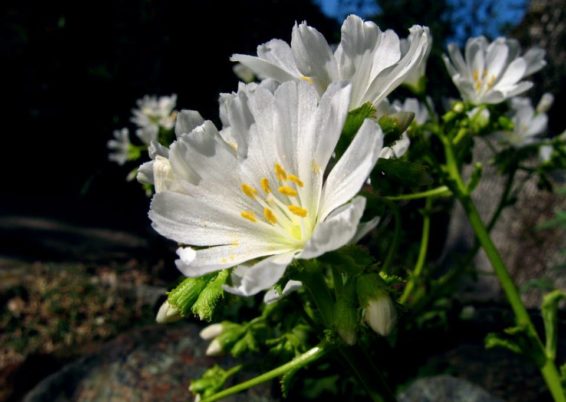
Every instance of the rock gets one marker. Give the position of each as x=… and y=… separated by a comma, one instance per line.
x=149, y=364
x=445, y=388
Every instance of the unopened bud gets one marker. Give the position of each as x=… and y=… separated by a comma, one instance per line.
x=167, y=313
x=214, y=348
x=379, y=310
x=545, y=103
x=211, y=331
x=458, y=107
x=380, y=314
x=244, y=73
x=479, y=118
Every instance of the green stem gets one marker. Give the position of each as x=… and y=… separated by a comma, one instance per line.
x=548, y=367
x=441, y=191
x=503, y=201
x=419, y=266
x=298, y=362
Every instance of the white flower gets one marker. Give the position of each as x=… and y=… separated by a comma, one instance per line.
x=416, y=77
x=414, y=106
x=545, y=153
x=119, y=146
x=492, y=72
x=152, y=114
x=527, y=124
x=367, y=57
x=256, y=196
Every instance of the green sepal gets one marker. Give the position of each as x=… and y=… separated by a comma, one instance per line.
x=210, y=295
x=369, y=287
x=393, y=125
x=346, y=313
x=184, y=296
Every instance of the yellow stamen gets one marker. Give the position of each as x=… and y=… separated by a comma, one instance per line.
x=491, y=81
x=299, y=211
x=295, y=180
x=475, y=75
x=249, y=190
x=249, y=215
x=289, y=191
x=269, y=216
x=307, y=79
x=280, y=172
x=265, y=185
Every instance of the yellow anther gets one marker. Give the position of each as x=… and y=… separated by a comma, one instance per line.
x=249, y=190
x=265, y=185
x=249, y=215
x=280, y=172
x=289, y=191
x=295, y=179
x=297, y=210
x=269, y=216
x=307, y=79
x=491, y=81
x=475, y=75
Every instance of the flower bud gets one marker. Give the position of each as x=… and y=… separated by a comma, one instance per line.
x=380, y=314
x=162, y=173
x=379, y=310
x=545, y=103
x=479, y=118
x=211, y=331
x=167, y=313
x=214, y=348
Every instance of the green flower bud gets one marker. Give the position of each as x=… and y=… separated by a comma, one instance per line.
x=167, y=313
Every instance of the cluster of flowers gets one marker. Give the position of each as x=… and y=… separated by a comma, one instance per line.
x=266, y=188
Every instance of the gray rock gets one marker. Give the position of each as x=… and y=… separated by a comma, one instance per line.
x=445, y=388
x=148, y=364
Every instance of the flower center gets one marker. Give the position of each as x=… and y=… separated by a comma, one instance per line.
x=280, y=203
x=485, y=78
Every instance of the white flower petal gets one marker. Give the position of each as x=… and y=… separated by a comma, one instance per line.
x=187, y=121
x=364, y=228
x=350, y=173
x=250, y=280
x=336, y=231
x=272, y=296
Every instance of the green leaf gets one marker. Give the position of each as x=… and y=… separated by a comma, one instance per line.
x=496, y=340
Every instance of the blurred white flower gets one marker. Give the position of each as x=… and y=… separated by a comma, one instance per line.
x=259, y=189
x=153, y=113
x=545, y=153
x=492, y=72
x=527, y=124
x=367, y=57
x=414, y=106
x=119, y=146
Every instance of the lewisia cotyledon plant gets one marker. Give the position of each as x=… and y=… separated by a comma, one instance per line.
x=492, y=72
x=373, y=61
x=255, y=195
